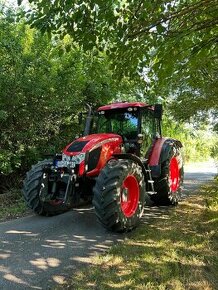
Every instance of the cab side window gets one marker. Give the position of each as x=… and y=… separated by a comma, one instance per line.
x=148, y=131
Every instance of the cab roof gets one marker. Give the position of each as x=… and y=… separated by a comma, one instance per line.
x=123, y=105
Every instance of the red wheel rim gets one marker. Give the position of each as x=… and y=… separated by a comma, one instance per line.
x=174, y=175
x=129, y=195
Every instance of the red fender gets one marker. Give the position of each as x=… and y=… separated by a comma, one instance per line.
x=159, y=151
x=156, y=152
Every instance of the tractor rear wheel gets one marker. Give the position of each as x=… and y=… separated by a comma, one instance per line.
x=169, y=185
x=32, y=188
x=119, y=195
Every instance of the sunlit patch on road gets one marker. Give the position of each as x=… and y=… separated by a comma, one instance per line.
x=30, y=234
x=44, y=264
x=13, y=278
x=59, y=279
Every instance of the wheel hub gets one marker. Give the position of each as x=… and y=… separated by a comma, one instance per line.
x=174, y=175
x=129, y=195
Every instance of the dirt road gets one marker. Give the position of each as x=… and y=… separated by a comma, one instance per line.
x=38, y=252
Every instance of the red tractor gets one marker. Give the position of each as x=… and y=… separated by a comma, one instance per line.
x=121, y=163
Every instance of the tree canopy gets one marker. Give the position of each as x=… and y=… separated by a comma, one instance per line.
x=171, y=44
x=43, y=89
x=46, y=80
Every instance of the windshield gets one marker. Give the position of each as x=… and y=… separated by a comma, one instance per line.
x=122, y=122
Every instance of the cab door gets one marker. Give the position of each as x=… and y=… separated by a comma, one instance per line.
x=148, y=130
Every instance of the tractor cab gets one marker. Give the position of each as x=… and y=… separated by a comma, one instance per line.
x=137, y=123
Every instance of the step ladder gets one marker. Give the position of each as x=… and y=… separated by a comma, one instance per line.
x=150, y=182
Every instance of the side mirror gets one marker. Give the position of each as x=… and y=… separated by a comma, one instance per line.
x=158, y=111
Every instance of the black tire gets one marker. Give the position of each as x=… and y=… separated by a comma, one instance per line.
x=32, y=186
x=117, y=205
x=168, y=192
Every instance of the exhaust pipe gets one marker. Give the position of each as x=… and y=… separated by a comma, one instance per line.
x=88, y=121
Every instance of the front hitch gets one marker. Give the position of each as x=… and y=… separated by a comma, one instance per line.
x=70, y=189
x=52, y=182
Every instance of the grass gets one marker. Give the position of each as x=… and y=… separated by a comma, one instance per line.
x=12, y=205
x=178, y=251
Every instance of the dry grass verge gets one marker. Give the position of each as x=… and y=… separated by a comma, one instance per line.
x=12, y=205
x=176, y=251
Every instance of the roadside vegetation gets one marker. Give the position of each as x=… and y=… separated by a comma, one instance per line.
x=176, y=250
x=12, y=205
x=155, y=52
x=46, y=80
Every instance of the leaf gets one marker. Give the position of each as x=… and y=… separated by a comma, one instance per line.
x=3, y=115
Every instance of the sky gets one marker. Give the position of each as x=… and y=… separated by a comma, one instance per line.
x=14, y=2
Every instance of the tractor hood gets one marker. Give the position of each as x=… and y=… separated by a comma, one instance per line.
x=93, y=141
x=91, y=153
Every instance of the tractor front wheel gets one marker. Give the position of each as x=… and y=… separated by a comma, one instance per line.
x=32, y=188
x=119, y=195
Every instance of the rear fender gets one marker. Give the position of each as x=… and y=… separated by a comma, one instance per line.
x=160, y=153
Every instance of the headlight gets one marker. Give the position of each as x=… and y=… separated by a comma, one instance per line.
x=70, y=161
x=79, y=158
x=66, y=158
